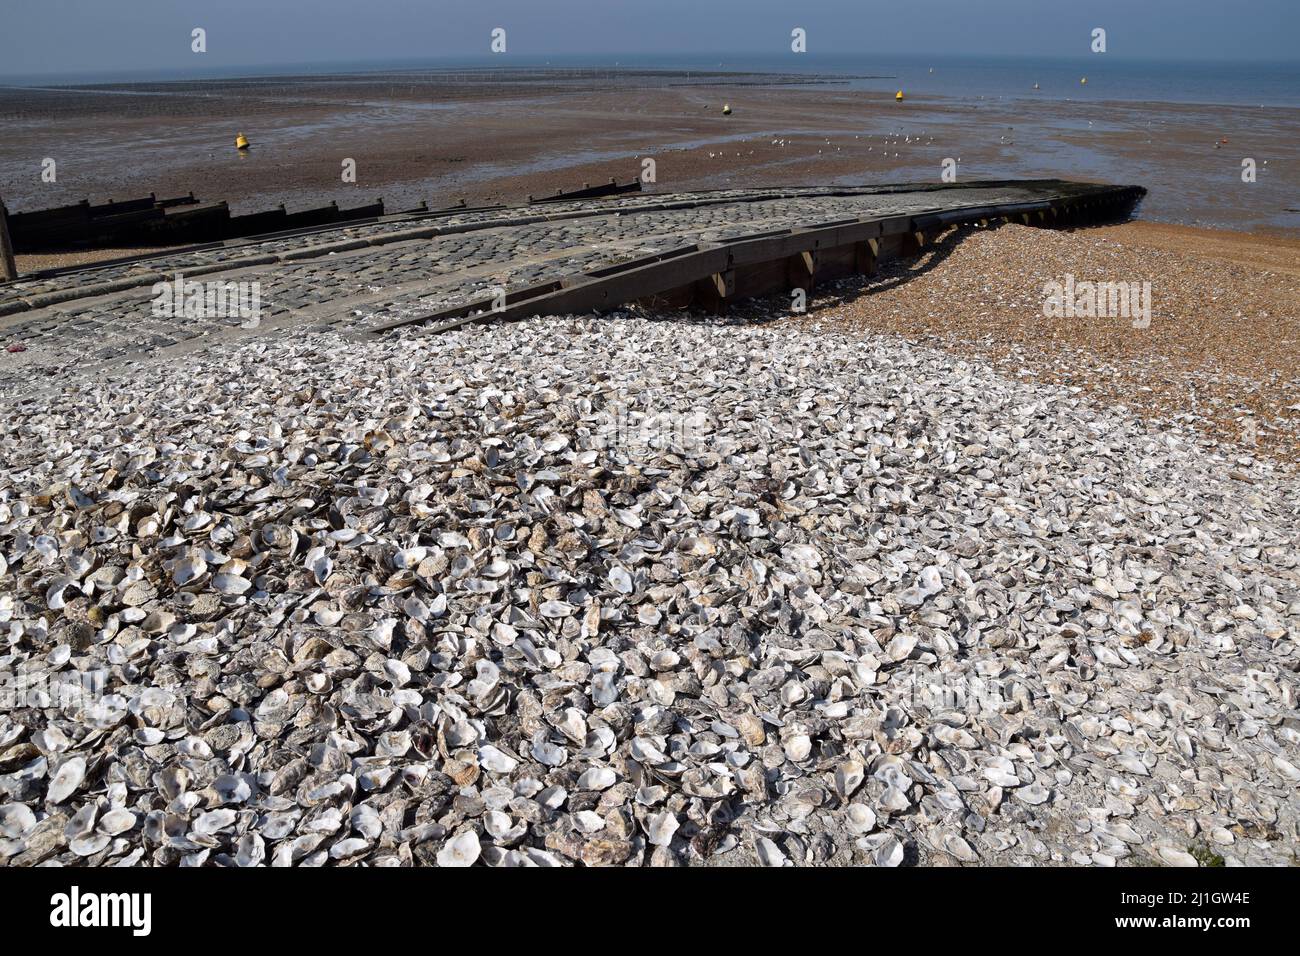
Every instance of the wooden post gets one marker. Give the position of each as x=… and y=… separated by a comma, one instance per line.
x=8, y=268
x=801, y=271
x=713, y=293
x=864, y=257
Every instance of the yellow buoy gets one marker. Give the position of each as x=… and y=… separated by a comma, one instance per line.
x=1084, y=81
x=726, y=109
x=241, y=141
x=898, y=95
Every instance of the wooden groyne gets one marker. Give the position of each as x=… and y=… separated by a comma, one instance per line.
x=588, y=191
x=149, y=221
x=185, y=220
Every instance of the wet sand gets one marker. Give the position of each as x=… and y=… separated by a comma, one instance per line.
x=498, y=136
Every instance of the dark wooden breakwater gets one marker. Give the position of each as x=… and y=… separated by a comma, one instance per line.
x=185, y=220
x=588, y=191
x=151, y=221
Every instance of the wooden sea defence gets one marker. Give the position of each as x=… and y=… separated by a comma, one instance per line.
x=184, y=220
x=149, y=221
x=588, y=191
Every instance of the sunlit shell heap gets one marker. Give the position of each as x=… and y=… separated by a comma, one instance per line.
x=624, y=591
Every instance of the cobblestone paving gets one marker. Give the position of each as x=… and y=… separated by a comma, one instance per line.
x=105, y=315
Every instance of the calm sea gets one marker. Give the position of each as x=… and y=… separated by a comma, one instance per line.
x=1109, y=77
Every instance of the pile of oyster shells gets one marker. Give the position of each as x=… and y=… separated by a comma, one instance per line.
x=624, y=591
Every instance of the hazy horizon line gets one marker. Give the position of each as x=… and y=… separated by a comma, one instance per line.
x=614, y=59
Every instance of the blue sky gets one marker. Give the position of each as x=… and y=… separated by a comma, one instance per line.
x=59, y=36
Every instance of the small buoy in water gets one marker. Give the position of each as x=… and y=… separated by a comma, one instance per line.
x=241, y=141
x=1035, y=86
x=1084, y=81
x=726, y=109
x=898, y=95
x=931, y=69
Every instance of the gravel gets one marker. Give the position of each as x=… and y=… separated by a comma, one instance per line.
x=1221, y=354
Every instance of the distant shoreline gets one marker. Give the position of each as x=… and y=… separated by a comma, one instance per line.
x=715, y=79
x=1207, y=83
